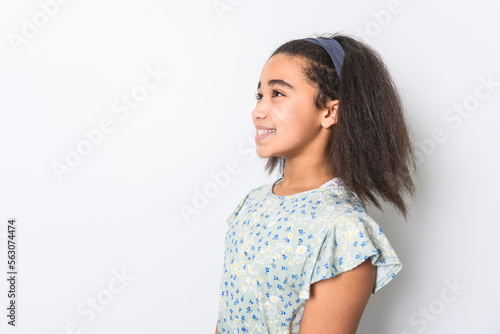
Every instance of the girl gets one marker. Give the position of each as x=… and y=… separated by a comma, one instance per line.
x=302, y=254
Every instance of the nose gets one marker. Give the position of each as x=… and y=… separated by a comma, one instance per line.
x=260, y=110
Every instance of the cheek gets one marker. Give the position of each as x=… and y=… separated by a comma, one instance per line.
x=281, y=118
x=287, y=116
x=292, y=133
x=293, y=119
x=293, y=122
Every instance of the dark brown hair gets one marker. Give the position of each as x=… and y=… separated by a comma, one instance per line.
x=370, y=147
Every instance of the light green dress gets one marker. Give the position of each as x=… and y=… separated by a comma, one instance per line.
x=277, y=246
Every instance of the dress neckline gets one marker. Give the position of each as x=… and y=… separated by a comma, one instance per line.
x=335, y=182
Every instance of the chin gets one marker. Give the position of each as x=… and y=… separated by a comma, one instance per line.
x=263, y=154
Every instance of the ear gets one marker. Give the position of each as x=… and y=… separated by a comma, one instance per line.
x=329, y=116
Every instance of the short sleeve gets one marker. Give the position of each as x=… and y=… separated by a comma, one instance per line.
x=236, y=211
x=347, y=243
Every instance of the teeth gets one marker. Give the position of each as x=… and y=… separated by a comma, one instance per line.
x=262, y=132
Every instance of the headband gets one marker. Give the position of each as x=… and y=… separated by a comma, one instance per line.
x=334, y=50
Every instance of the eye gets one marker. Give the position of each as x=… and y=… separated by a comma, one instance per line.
x=277, y=92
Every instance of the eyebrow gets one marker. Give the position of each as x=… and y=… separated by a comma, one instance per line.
x=278, y=82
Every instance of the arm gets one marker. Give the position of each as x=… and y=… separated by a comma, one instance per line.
x=336, y=304
x=216, y=328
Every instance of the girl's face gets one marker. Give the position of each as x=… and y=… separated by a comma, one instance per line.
x=285, y=104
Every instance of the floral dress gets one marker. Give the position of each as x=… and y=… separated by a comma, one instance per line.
x=277, y=246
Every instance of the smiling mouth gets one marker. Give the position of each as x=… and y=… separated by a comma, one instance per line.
x=264, y=132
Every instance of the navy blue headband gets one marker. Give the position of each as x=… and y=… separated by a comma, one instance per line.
x=334, y=50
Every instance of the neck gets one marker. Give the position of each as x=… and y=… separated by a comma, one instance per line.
x=305, y=174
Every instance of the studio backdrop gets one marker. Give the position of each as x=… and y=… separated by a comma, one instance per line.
x=126, y=140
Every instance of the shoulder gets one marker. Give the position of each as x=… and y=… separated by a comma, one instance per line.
x=349, y=221
x=339, y=205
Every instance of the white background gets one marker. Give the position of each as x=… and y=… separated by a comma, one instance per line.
x=119, y=209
